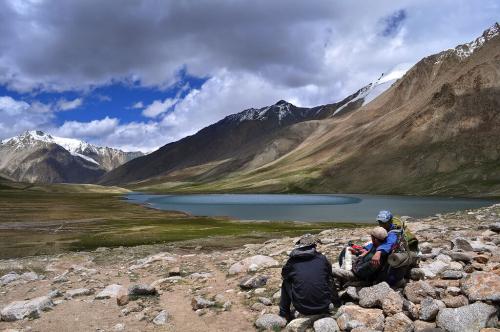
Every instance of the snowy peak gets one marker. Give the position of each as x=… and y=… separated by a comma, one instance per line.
x=465, y=50
x=107, y=158
x=280, y=111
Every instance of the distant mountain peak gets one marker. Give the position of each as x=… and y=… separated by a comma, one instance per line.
x=282, y=102
x=466, y=50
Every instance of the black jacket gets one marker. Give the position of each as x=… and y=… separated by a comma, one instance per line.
x=309, y=274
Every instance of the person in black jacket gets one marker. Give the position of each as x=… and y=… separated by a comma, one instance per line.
x=307, y=281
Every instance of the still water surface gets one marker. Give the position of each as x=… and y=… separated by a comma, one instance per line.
x=277, y=207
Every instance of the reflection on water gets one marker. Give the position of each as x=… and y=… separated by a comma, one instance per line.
x=356, y=208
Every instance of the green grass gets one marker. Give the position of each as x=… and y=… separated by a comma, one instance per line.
x=45, y=220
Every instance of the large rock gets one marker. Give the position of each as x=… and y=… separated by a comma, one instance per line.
x=495, y=227
x=270, y=322
x=111, y=291
x=253, y=263
x=455, y=301
x=162, y=257
x=199, y=302
x=353, y=316
x=161, y=318
x=8, y=278
x=421, y=326
x=141, y=289
x=300, y=324
x=459, y=256
x=434, y=268
x=392, y=303
x=462, y=244
x=429, y=308
x=398, y=323
x=252, y=282
x=470, y=318
x=327, y=324
x=452, y=274
x=370, y=297
x=22, y=309
x=419, y=290
x=482, y=286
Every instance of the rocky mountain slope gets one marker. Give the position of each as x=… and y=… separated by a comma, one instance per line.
x=239, y=142
x=456, y=288
x=35, y=156
x=433, y=132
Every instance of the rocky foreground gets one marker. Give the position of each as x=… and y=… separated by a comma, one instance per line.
x=164, y=288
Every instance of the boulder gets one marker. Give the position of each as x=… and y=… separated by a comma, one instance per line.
x=22, y=309
x=429, y=308
x=370, y=297
x=462, y=244
x=421, y=326
x=199, y=302
x=481, y=286
x=300, y=324
x=327, y=324
x=265, y=301
x=398, y=323
x=256, y=262
x=417, y=274
x=392, y=303
x=270, y=322
x=418, y=290
x=352, y=292
x=455, y=301
x=495, y=227
x=8, y=278
x=411, y=309
x=459, y=256
x=434, y=268
x=141, y=290
x=470, y=318
x=452, y=274
x=111, y=291
x=481, y=259
x=30, y=276
x=353, y=316
x=252, y=282
x=161, y=318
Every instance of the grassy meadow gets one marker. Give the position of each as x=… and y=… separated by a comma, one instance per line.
x=48, y=219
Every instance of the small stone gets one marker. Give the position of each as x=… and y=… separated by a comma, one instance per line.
x=353, y=293
x=161, y=318
x=174, y=271
x=30, y=276
x=452, y=274
x=419, y=290
x=481, y=259
x=265, y=301
x=270, y=322
x=200, y=303
x=119, y=327
x=459, y=256
x=55, y=293
x=78, y=292
x=495, y=227
x=258, y=306
x=398, y=323
x=227, y=306
x=253, y=282
x=8, y=278
x=327, y=324
x=411, y=309
x=122, y=299
x=429, y=308
x=434, y=268
x=142, y=290
x=453, y=291
x=470, y=318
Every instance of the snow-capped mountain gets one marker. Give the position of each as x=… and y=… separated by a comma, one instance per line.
x=35, y=156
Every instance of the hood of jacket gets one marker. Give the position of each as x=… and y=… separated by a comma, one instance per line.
x=304, y=253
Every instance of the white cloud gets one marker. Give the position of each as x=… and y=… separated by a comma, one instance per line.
x=138, y=105
x=158, y=107
x=92, y=129
x=17, y=116
x=66, y=105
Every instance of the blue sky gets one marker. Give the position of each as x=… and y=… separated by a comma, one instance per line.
x=137, y=75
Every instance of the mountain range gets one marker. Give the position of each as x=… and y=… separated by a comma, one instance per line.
x=433, y=131
x=35, y=156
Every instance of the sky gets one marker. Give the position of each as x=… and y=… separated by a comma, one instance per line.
x=137, y=75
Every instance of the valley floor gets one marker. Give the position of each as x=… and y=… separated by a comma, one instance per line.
x=198, y=289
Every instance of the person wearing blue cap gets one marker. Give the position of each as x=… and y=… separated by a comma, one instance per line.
x=384, y=219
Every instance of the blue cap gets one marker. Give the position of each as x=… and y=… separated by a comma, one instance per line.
x=384, y=216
